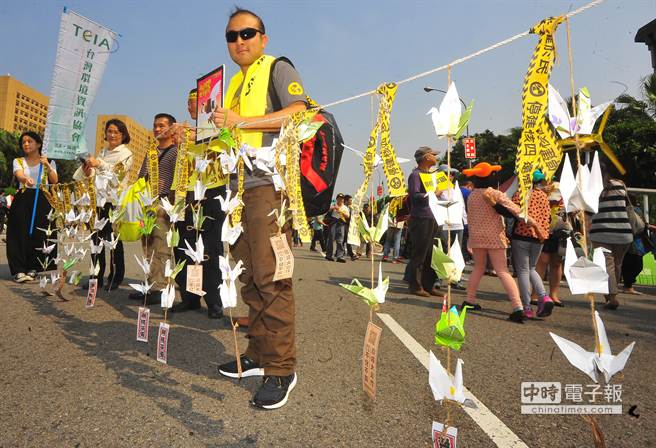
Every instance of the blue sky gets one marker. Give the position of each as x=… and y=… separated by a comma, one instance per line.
x=340, y=48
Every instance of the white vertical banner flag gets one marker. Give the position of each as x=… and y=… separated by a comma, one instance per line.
x=82, y=52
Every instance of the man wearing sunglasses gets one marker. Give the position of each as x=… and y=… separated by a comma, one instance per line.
x=259, y=97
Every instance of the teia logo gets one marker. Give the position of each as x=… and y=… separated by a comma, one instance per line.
x=90, y=36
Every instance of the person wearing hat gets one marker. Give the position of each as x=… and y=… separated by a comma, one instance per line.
x=527, y=245
x=454, y=227
x=487, y=234
x=339, y=215
x=422, y=228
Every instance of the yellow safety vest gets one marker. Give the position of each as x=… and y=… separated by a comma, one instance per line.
x=252, y=100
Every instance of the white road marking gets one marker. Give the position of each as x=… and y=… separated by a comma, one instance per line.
x=496, y=430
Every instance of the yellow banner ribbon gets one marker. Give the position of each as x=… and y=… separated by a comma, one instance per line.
x=153, y=168
x=537, y=147
x=379, y=133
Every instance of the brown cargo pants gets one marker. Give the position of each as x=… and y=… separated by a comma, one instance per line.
x=271, y=313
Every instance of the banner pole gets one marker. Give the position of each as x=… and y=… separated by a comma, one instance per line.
x=36, y=199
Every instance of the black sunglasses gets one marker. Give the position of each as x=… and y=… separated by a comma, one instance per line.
x=245, y=34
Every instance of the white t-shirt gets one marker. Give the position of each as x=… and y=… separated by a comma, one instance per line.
x=31, y=171
x=344, y=211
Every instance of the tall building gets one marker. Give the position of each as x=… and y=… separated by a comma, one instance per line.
x=139, y=135
x=21, y=107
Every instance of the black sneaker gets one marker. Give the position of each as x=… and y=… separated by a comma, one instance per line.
x=329, y=258
x=274, y=392
x=248, y=368
x=517, y=316
x=472, y=306
x=341, y=260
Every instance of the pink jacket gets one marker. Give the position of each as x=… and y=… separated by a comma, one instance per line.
x=486, y=227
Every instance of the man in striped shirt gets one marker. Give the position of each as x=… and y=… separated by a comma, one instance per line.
x=156, y=241
x=611, y=229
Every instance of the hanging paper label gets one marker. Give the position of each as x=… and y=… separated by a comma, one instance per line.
x=195, y=279
x=284, y=257
x=91, y=295
x=143, y=319
x=537, y=145
x=370, y=359
x=163, y=342
x=443, y=439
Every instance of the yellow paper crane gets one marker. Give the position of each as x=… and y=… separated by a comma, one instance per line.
x=587, y=142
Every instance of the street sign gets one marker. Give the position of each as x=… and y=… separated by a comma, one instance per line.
x=470, y=147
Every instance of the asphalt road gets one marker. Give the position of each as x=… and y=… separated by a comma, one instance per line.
x=76, y=377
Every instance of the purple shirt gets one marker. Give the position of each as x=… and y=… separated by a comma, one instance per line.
x=418, y=201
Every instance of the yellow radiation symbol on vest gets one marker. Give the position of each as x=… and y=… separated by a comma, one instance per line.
x=295, y=88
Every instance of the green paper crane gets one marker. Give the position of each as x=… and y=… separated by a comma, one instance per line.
x=450, y=329
x=372, y=297
x=374, y=233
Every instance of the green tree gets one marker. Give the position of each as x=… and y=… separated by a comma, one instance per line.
x=9, y=150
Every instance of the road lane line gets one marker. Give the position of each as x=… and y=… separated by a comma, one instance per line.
x=495, y=429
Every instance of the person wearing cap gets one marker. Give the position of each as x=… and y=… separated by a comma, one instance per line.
x=527, y=245
x=454, y=227
x=487, y=234
x=422, y=229
x=339, y=215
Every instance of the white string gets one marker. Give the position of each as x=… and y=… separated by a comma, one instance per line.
x=434, y=70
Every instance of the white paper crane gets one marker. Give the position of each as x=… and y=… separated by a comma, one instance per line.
x=83, y=201
x=100, y=224
x=585, y=276
x=199, y=190
x=143, y=288
x=445, y=388
x=448, y=119
x=85, y=216
x=377, y=159
x=147, y=199
x=175, y=212
x=95, y=249
x=94, y=269
x=144, y=263
x=71, y=216
x=228, y=288
x=46, y=249
x=593, y=363
x=201, y=164
x=581, y=192
x=265, y=158
x=586, y=115
x=70, y=231
x=228, y=203
x=230, y=158
x=230, y=234
x=111, y=243
x=168, y=296
x=196, y=253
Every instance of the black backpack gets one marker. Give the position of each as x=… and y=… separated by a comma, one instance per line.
x=320, y=157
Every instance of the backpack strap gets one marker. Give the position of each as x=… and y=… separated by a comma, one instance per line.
x=275, y=100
